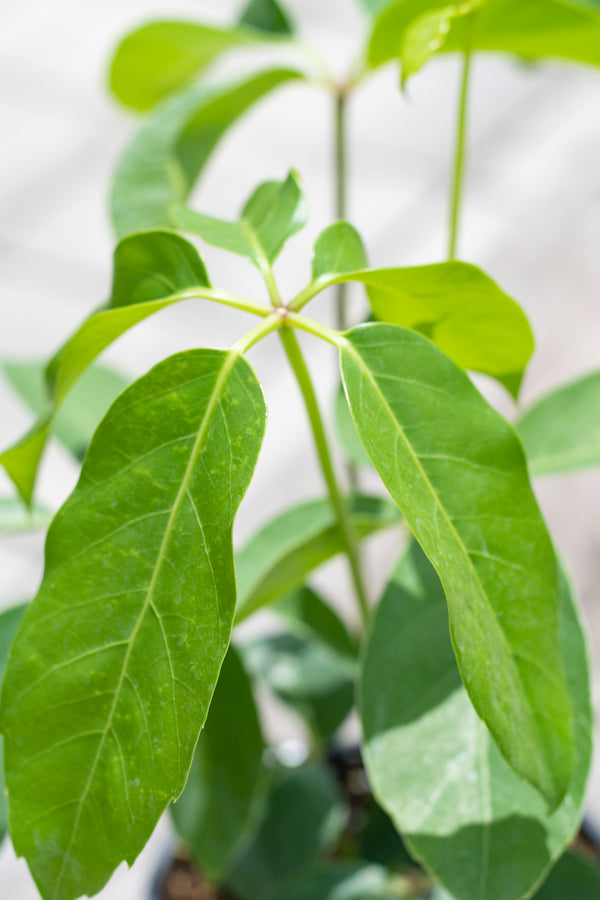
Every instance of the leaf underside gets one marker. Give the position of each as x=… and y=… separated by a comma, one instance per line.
x=117, y=658
x=458, y=473
x=480, y=829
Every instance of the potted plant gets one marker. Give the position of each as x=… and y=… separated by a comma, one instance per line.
x=124, y=692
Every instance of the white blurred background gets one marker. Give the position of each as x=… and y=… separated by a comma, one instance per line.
x=531, y=220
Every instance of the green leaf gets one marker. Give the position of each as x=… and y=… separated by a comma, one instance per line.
x=573, y=878
x=458, y=473
x=213, y=813
x=280, y=556
x=16, y=517
x=267, y=15
x=161, y=57
x=9, y=622
x=303, y=819
x=338, y=249
x=174, y=143
x=149, y=271
x=88, y=402
x=350, y=442
x=114, y=666
x=374, y=7
x=432, y=763
x=273, y=214
x=561, y=432
x=428, y=34
x=459, y=308
x=538, y=29
x=339, y=880
x=311, y=665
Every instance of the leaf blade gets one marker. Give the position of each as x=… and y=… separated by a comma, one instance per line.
x=458, y=473
x=156, y=539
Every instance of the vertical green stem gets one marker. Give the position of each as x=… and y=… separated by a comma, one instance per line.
x=340, y=192
x=461, y=132
x=294, y=355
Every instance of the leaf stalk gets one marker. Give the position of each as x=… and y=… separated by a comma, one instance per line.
x=461, y=132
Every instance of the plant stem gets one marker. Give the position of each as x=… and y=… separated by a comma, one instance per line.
x=218, y=296
x=461, y=131
x=256, y=334
x=340, y=193
x=294, y=355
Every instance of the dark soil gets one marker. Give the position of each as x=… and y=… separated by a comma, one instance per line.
x=183, y=881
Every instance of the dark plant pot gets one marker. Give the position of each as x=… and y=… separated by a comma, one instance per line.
x=177, y=878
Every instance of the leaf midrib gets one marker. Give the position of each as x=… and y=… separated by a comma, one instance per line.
x=228, y=363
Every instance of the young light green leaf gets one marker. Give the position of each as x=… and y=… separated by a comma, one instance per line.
x=561, y=432
x=214, y=811
x=303, y=819
x=338, y=249
x=150, y=271
x=161, y=57
x=458, y=307
x=114, y=666
x=311, y=664
x=280, y=556
x=9, y=622
x=477, y=827
x=273, y=214
x=16, y=517
x=538, y=29
x=427, y=35
x=174, y=143
x=572, y=877
x=267, y=15
x=459, y=475
x=87, y=403
x=338, y=880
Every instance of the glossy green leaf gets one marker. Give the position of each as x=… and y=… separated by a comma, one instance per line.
x=561, y=432
x=311, y=664
x=303, y=819
x=87, y=403
x=428, y=34
x=459, y=308
x=339, y=880
x=16, y=517
x=161, y=57
x=480, y=829
x=9, y=622
x=573, y=878
x=214, y=811
x=338, y=249
x=117, y=658
x=273, y=214
x=537, y=29
x=459, y=475
x=350, y=442
x=285, y=550
x=150, y=271
x=267, y=15
x=174, y=143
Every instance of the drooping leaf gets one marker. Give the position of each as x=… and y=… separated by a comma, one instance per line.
x=538, y=29
x=459, y=475
x=213, y=813
x=9, y=622
x=16, y=517
x=338, y=880
x=87, y=403
x=431, y=761
x=427, y=35
x=161, y=57
x=280, y=556
x=311, y=664
x=115, y=663
x=338, y=249
x=561, y=432
x=172, y=146
x=458, y=307
x=273, y=214
x=572, y=877
x=303, y=818
x=267, y=15
x=150, y=270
